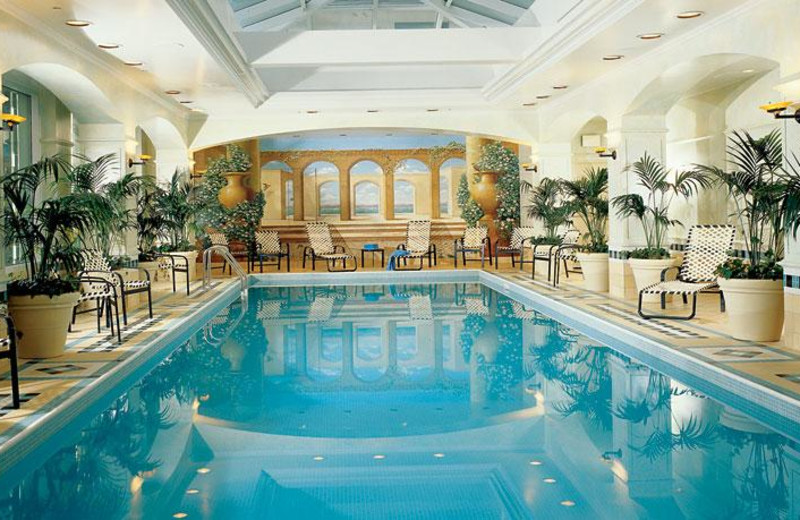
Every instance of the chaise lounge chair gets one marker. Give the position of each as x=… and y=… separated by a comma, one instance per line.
x=475, y=240
x=707, y=247
x=321, y=246
x=519, y=238
x=96, y=265
x=268, y=245
x=417, y=245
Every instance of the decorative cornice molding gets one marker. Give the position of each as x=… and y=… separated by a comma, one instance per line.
x=577, y=32
x=106, y=63
x=215, y=35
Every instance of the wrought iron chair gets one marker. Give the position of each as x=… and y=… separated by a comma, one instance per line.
x=321, y=246
x=176, y=264
x=8, y=350
x=556, y=253
x=475, y=240
x=519, y=237
x=103, y=293
x=268, y=245
x=96, y=265
x=706, y=247
x=417, y=245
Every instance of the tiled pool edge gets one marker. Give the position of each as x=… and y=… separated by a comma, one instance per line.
x=13, y=451
x=698, y=373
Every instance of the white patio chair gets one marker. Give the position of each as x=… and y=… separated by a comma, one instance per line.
x=321, y=246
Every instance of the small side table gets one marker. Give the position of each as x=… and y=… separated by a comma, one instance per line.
x=373, y=251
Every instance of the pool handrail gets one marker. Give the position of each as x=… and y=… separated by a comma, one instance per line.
x=225, y=253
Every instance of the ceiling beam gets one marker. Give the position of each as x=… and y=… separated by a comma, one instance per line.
x=445, y=11
x=288, y=18
x=476, y=20
x=212, y=23
x=264, y=9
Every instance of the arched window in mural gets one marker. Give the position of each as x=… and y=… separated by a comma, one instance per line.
x=367, y=199
x=411, y=167
x=321, y=169
x=289, y=197
x=324, y=358
x=449, y=175
x=277, y=165
x=329, y=203
x=404, y=198
x=371, y=360
x=366, y=168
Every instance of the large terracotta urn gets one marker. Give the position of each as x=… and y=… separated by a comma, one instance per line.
x=485, y=193
x=235, y=191
x=42, y=322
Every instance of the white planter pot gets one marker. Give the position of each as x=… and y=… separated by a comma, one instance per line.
x=595, y=271
x=42, y=323
x=647, y=272
x=191, y=257
x=150, y=267
x=755, y=308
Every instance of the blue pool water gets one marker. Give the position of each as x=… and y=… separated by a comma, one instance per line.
x=444, y=401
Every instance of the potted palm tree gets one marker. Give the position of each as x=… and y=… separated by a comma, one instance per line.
x=765, y=199
x=45, y=229
x=176, y=204
x=648, y=262
x=545, y=205
x=586, y=199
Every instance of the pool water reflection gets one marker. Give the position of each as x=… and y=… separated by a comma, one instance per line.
x=436, y=401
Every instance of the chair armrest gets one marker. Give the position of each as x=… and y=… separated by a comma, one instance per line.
x=99, y=280
x=668, y=269
x=522, y=242
x=171, y=258
x=146, y=273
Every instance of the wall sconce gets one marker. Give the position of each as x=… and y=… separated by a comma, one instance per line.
x=9, y=121
x=608, y=456
x=530, y=167
x=141, y=161
x=778, y=109
x=602, y=151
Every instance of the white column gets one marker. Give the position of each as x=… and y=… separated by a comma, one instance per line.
x=631, y=138
x=791, y=262
x=555, y=161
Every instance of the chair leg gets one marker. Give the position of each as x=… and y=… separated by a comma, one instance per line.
x=119, y=329
x=124, y=308
x=174, y=275
x=288, y=261
x=721, y=301
x=685, y=299
x=187, y=281
x=664, y=300
x=150, y=300
x=12, y=360
x=98, y=305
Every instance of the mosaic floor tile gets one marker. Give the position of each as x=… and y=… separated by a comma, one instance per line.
x=739, y=353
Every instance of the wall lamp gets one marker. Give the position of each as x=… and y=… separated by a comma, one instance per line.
x=9, y=121
x=778, y=109
x=608, y=456
x=141, y=161
x=530, y=167
x=604, y=152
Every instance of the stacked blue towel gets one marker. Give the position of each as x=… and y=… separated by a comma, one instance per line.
x=396, y=256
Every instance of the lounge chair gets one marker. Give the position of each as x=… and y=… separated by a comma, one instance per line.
x=95, y=265
x=219, y=239
x=475, y=240
x=555, y=253
x=8, y=350
x=417, y=245
x=175, y=264
x=521, y=237
x=321, y=246
x=268, y=245
x=706, y=247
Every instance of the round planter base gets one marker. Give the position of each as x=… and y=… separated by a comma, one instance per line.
x=42, y=323
x=754, y=308
x=595, y=271
x=648, y=272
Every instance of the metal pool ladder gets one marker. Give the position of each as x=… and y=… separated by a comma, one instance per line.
x=225, y=253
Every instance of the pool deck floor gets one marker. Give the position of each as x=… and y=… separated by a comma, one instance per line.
x=47, y=383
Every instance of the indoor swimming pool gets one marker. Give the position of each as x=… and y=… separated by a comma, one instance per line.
x=436, y=401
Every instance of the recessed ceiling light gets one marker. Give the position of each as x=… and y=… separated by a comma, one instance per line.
x=535, y=463
x=372, y=111
x=311, y=111
x=192, y=491
x=133, y=63
x=533, y=103
x=686, y=15
x=198, y=110
x=567, y=503
x=203, y=471
x=432, y=110
x=379, y=457
x=180, y=515
x=186, y=102
x=560, y=87
x=319, y=458
x=748, y=71
x=612, y=57
x=650, y=36
x=543, y=96
x=549, y=480
x=109, y=46
x=438, y=455
x=56, y=8
x=78, y=23
x=172, y=92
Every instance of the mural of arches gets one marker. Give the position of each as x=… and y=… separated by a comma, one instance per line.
x=320, y=168
x=370, y=362
x=329, y=199
x=367, y=199
x=411, y=167
x=277, y=165
x=324, y=358
x=366, y=167
x=404, y=198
